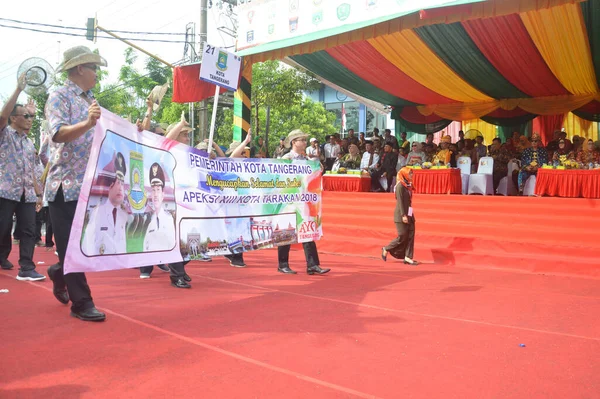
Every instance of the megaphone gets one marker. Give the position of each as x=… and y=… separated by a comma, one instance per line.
x=39, y=75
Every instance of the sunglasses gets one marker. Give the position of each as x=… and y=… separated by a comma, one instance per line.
x=535, y=141
x=26, y=116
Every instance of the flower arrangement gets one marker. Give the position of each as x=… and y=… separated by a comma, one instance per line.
x=342, y=171
x=426, y=165
x=570, y=164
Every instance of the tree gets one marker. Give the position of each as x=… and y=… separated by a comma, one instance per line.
x=278, y=87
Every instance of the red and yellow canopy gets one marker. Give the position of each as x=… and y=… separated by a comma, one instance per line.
x=497, y=60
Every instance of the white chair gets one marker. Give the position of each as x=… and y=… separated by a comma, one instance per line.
x=464, y=164
x=529, y=188
x=506, y=186
x=483, y=181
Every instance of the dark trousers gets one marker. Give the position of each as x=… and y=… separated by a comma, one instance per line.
x=26, y=220
x=376, y=175
x=147, y=269
x=177, y=269
x=48, y=221
x=403, y=245
x=310, y=253
x=62, y=214
x=17, y=233
x=39, y=221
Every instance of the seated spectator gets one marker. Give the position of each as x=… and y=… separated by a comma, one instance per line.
x=480, y=148
x=444, y=155
x=416, y=156
x=531, y=160
x=429, y=147
x=561, y=155
x=523, y=145
x=386, y=169
x=588, y=154
x=369, y=159
x=389, y=139
x=345, y=146
x=352, y=159
x=501, y=158
x=402, y=158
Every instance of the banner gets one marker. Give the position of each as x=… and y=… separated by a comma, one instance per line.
x=284, y=23
x=148, y=200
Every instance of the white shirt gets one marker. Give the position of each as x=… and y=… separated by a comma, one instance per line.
x=332, y=151
x=160, y=235
x=402, y=161
x=104, y=236
x=364, y=163
x=312, y=152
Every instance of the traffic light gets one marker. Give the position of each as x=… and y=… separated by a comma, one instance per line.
x=90, y=34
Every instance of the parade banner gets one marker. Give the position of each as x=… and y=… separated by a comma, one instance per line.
x=148, y=200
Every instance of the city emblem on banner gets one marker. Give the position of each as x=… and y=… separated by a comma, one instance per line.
x=137, y=192
x=317, y=17
x=271, y=29
x=222, y=61
x=343, y=11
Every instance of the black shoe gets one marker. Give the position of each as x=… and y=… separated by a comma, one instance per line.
x=316, y=270
x=412, y=263
x=179, y=282
x=285, y=270
x=187, y=278
x=164, y=268
x=59, y=290
x=91, y=314
x=236, y=263
x=384, y=254
x=6, y=265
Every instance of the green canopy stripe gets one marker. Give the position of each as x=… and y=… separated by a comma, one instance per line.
x=591, y=15
x=454, y=46
x=322, y=64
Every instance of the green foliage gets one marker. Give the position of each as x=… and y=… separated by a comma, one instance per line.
x=278, y=87
x=309, y=116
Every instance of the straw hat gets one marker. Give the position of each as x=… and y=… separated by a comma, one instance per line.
x=79, y=55
x=203, y=145
x=233, y=146
x=294, y=134
x=183, y=129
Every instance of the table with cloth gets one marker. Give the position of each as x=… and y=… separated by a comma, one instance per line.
x=573, y=183
x=341, y=182
x=437, y=181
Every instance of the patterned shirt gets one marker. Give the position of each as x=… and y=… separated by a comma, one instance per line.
x=68, y=105
x=19, y=166
x=293, y=155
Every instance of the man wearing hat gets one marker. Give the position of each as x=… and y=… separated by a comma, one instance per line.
x=297, y=141
x=105, y=233
x=20, y=185
x=531, y=160
x=444, y=156
x=72, y=114
x=160, y=233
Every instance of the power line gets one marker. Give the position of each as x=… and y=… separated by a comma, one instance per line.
x=83, y=35
x=77, y=28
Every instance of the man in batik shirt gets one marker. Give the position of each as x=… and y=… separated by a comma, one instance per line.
x=531, y=160
x=72, y=114
x=20, y=184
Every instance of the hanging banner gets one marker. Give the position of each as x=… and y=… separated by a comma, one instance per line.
x=148, y=200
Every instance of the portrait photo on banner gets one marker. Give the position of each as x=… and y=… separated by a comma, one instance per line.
x=131, y=206
x=236, y=235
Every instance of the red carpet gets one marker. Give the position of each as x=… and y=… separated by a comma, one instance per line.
x=367, y=329
x=544, y=235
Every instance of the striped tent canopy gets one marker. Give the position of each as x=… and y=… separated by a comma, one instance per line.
x=502, y=61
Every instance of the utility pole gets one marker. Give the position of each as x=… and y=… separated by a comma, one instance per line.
x=203, y=111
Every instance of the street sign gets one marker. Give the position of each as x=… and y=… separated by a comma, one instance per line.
x=220, y=67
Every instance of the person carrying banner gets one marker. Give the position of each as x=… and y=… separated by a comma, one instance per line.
x=20, y=184
x=105, y=233
x=297, y=141
x=72, y=113
x=160, y=233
